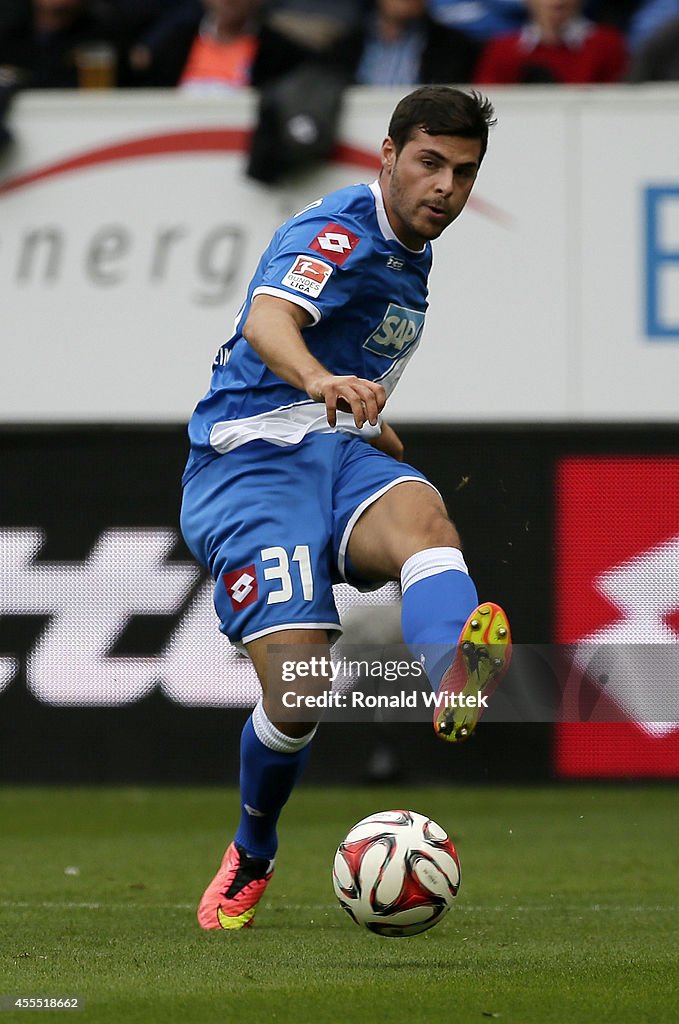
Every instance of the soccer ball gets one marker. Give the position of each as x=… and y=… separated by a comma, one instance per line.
x=396, y=873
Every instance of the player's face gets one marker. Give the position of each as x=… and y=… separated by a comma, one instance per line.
x=427, y=184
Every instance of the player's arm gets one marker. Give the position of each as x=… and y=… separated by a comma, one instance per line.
x=389, y=442
x=274, y=330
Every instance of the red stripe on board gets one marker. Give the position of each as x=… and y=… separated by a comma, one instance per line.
x=342, y=154
x=210, y=140
x=202, y=140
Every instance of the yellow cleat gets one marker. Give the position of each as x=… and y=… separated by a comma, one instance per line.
x=481, y=660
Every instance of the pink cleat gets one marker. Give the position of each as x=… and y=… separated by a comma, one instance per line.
x=482, y=658
x=231, y=898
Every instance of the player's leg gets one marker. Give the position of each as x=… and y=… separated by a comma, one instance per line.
x=406, y=533
x=273, y=755
x=275, y=743
x=268, y=555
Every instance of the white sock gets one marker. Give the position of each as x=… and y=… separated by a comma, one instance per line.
x=431, y=562
x=267, y=733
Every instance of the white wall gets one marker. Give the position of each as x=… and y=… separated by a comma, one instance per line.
x=120, y=277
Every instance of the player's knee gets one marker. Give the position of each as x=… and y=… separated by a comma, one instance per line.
x=295, y=730
x=447, y=535
x=300, y=692
x=296, y=708
x=437, y=531
x=432, y=530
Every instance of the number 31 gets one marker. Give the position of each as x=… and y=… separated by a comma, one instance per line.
x=281, y=571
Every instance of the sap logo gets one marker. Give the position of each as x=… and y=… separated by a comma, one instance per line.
x=399, y=330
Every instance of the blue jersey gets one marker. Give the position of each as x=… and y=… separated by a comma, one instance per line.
x=366, y=294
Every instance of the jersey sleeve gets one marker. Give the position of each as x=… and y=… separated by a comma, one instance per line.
x=316, y=263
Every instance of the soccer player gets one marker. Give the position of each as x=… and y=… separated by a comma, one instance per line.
x=294, y=481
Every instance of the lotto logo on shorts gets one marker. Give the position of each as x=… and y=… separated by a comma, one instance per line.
x=308, y=276
x=335, y=242
x=242, y=586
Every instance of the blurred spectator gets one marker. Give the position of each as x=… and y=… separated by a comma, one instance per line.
x=650, y=17
x=480, y=18
x=8, y=87
x=155, y=37
x=305, y=59
x=13, y=13
x=557, y=45
x=15, y=18
x=296, y=32
x=658, y=59
x=223, y=52
x=404, y=46
x=43, y=38
x=612, y=12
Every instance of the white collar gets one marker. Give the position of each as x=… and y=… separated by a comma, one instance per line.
x=383, y=220
x=572, y=35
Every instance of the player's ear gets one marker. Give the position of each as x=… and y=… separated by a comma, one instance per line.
x=388, y=154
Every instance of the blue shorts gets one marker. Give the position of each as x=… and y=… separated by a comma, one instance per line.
x=272, y=526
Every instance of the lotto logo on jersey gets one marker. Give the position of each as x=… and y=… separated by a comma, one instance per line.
x=308, y=276
x=241, y=585
x=335, y=242
x=399, y=330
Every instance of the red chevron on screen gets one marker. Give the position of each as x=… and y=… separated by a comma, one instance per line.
x=617, y=582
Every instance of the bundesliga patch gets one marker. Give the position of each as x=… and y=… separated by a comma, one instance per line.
x=335, y=242
x=241, y=585
x=308, y=276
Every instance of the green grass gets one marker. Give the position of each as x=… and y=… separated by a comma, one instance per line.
x=568, y=911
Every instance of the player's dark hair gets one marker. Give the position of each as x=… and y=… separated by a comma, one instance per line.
x=442, y=110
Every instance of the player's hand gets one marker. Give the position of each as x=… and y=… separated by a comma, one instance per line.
x=364, y=399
